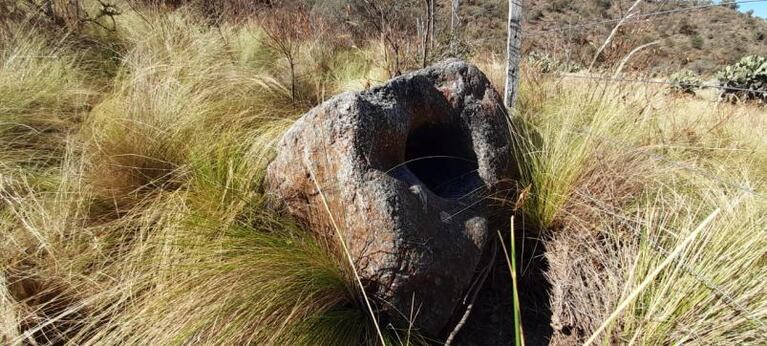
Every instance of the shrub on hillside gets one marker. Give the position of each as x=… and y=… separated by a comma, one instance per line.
x=545, y=63
x=541, y=62
x=745, y=80
x=684, y=82
x=696, y=41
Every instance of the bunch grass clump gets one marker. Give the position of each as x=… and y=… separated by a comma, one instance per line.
x=557, y=141
x=42, y=94
x=699, y=298
x=153, y=226
x=621, y=183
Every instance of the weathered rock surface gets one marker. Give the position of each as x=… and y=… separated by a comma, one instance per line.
x=402, y=172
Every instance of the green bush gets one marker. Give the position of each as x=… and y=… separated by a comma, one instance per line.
x=745, y=80
x=696, y=41
x=684, y=82
x=541, y=62
x=545, y=63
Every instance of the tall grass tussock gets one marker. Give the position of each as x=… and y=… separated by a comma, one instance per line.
x=152, y=227
x=132, y=211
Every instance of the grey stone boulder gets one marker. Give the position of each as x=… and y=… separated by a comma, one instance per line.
x=404, y=172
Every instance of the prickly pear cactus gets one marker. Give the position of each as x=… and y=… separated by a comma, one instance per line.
x=545, y=63
x=747, y=80
x=684, y=82
x=541, y=62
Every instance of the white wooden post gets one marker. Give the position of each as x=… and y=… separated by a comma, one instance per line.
x=454, y=20
x=429, y=25
x=454, y=7
x=513, y=52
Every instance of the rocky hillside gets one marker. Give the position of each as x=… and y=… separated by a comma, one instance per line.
x=694, y=34
x=689, y=34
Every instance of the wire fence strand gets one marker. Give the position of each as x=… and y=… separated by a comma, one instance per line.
x=657, y=82
x=676, y=164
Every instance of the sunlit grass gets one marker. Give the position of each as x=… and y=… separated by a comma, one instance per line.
x=712, y=292
x=617, y=181
x=155, y=228
x=42, y=93
x=132, y=211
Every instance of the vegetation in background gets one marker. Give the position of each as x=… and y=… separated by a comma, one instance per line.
x=545, y=63
x=684, y=82
x=700, y=40
x=746, y=79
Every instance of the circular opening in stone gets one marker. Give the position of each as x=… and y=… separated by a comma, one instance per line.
x=442, y=157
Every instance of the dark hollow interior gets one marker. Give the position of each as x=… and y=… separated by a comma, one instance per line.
x=442, y=157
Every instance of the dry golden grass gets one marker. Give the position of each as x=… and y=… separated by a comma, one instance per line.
x=131, y=207
x=151, y=226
